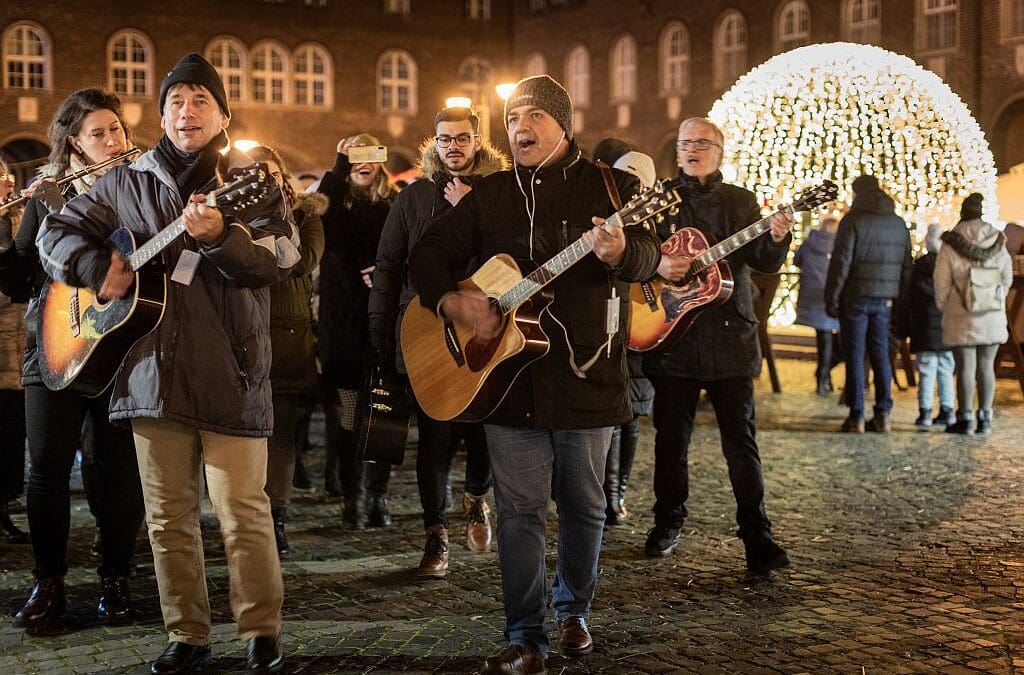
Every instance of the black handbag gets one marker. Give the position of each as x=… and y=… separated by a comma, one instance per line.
x=382, y=415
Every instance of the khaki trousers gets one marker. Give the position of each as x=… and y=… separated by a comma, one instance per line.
x=172, y=458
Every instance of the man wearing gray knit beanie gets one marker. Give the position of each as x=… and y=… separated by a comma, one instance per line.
x=550, y=431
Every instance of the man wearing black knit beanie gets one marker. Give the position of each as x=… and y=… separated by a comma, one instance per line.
x=195, y=388
x=550, y=433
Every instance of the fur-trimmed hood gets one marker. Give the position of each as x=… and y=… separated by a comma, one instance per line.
x=314, y=202
x=975, y=240
x=488, y=160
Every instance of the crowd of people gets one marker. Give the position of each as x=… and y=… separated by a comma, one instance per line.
x=271, y=311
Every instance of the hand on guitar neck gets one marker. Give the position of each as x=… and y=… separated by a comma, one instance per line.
x=780, y=224
x=474, y=309
x=204, y=222
x=608, y=243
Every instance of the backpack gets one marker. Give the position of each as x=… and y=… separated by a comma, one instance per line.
x=985, y=291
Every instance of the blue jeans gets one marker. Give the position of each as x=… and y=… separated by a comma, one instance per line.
x=528, y=465
x=864, y=325
x=932, y=368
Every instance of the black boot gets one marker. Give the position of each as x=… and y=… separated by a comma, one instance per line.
x=280, y=514
x=763, y=554
x=45, y=605
x=627, y=451
x=115, y=597
x=13, y=535
x=377, y=514
x=180, y=657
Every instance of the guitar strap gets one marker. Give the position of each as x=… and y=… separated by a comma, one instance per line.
x=609, y=184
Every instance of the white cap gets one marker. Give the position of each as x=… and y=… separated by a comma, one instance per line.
x=638, y=164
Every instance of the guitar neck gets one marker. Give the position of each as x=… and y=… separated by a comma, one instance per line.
x=158, y=243
x=735, y=242
x=529, y=285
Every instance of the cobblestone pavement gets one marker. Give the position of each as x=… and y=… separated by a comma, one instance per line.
x=907, y=548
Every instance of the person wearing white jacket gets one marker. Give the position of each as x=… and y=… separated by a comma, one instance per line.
x=973, y=332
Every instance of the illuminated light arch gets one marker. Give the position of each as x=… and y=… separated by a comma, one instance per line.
x=835, y=111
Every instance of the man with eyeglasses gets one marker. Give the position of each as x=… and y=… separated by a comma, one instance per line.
x=451, y=161
x=719, y=354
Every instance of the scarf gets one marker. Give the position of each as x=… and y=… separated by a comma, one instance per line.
x=192, y=171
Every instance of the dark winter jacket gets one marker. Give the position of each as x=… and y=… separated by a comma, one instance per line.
x=293, y=370
x=812, y=259
x=492, y=219
x=920, y=318
x=207, y=364
x=351, y=236
x=414, y=208
x=22, y=278
x=722, y=343
x=871, y=258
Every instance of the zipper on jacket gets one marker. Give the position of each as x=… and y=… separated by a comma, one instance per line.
x=240, y=360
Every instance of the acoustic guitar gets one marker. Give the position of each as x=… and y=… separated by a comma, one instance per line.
x=455, y=375
x=83, y=339
x=661, y=311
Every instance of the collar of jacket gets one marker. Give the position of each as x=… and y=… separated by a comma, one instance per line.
x=873, y=201
x=488, y=160
x=692, y=186
x=571, y=158
x=972, y=250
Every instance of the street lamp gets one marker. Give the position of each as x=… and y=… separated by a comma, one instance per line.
x=245, y=144
x=505, y=90
x=458, y=102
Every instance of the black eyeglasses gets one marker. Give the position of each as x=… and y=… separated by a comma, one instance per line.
x=699, y=144
x=462, y=140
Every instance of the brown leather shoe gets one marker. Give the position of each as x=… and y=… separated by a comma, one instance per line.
x=879, y=423
x=434, y=563
x=853, y=425
x=478, y=531
x=574, y=637
x=513, y=661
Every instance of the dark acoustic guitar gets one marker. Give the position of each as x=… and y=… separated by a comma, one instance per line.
x=661, y=311
x=82, y=339
x=455, y=375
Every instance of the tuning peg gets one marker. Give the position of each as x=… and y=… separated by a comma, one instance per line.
x=673, y=211
x=660, y=218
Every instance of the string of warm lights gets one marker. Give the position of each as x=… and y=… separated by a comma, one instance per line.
x=840, y=110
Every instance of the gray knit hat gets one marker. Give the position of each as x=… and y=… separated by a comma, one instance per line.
x=542, y=91
x=194, y=69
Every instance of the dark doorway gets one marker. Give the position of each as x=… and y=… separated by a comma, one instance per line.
x=23, y=157
x=1008, y=137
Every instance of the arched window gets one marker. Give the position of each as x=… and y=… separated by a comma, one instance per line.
x=623, y=70
x=862, y=21
x=794, y=28
x=535, y=65
x=674, y=52
x=228, y=56
x=27, y=57
x=313, y=77
x=396, y=82
x=397, y=7
x=730, y=49
x=269, y=74
x=130, y=64
x=577, y=76
x=938, y=24
x=478, y=10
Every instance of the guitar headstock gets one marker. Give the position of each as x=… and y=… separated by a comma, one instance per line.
x=816, y=196
x=247, y=189
x=653, y=202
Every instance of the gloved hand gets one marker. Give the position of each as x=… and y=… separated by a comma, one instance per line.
x=383, y=345
x=50, y=195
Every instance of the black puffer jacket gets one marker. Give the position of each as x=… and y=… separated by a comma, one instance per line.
x=492, y=219
x=414, y=208
x=22, y=278
x=920, y=318
x=722, y=342
x=351, y=235
x=871, y=257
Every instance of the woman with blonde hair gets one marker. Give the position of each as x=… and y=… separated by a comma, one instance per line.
x=293, y=369
x=361, y=196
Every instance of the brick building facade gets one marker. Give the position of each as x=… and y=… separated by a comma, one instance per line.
x=308, y=72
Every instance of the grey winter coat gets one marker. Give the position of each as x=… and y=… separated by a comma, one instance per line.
x=415, y=206
x=972, y=243
x=207, y=364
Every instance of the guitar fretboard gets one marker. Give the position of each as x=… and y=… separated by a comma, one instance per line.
x=735, y=242
x=548, y=272
x=158, y=243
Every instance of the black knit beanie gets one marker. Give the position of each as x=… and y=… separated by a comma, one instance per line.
x=194, y=69
x=865, y=183
x=542, y=91
x=971, y=208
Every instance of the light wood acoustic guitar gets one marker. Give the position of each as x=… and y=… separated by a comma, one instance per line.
x=661, y=311
x=455, y=375
x=82, y=339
